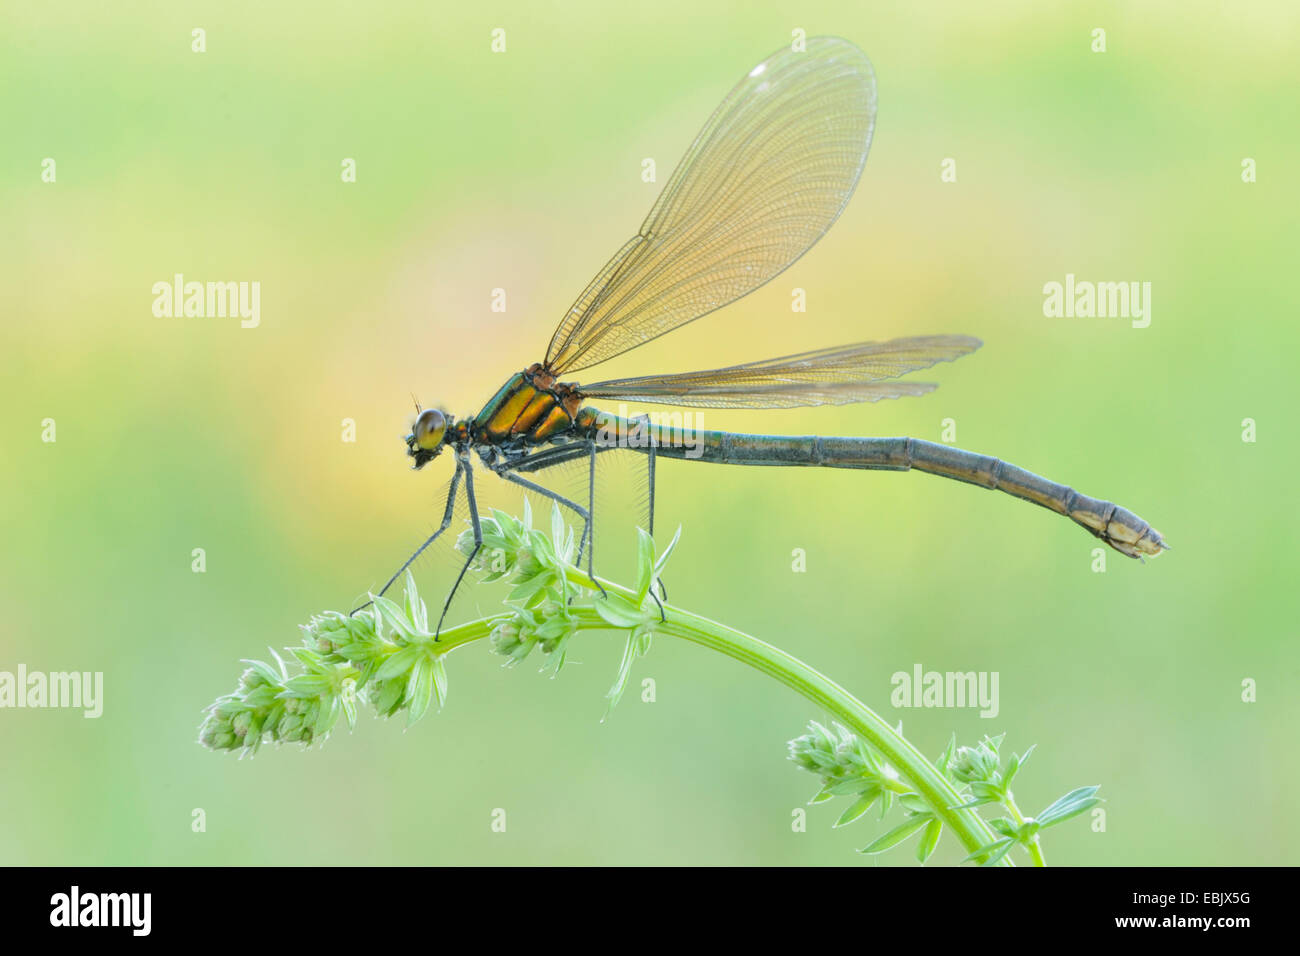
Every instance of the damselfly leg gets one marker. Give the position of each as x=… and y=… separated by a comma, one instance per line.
x=652, y=444
x=549, y=458
x=581, y=512
x=463, y=465
x=446, y=523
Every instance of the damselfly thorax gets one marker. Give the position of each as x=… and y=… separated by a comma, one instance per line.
x=530, y=409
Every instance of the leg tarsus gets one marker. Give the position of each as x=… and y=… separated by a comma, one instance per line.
x=662, y=616
x=446, y=605
x=650, y=482
x=591, y=519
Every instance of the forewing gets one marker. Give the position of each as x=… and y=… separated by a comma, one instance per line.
x=838, y=376
x=763, y=181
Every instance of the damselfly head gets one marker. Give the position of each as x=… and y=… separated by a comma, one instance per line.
x=427, y=437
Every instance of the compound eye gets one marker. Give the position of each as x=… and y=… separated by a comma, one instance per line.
x=429, y=429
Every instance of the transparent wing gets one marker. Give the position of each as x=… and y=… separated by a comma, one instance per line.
x=838, y=376
x=763, y=181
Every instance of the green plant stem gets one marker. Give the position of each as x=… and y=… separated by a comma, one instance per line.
x=461, y=634
x=1035, y=848
x=933, y=786
x=924, y=778
x=857, y=716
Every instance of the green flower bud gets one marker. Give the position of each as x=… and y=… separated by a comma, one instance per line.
x=975, y=764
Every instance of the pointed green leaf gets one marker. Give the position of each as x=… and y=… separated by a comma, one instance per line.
x=1005, y=827
x=971, y=804
x=645, y=563
x=619, y=612
x=440, y=681
x=1072, y=804
x=525, y=591
x=399, y=662
x=264, y=671
x=305, y=685
x=666, y=553
x=392, y=616
x=858, y=807
x=1024, y=757
x=946, y=757
x=895, y=836
x=305, y=655
x=419, y=690
x=929, y=839
x=557, y=526
x=1013, y=766
x=415, y=608
x=615, y=693
x=913, y=802
x=847, y=785
x=995, y=850
x=328, y=716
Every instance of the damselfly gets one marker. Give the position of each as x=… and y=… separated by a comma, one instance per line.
x=762, y=182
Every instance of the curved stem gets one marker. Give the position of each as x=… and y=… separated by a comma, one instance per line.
x=461, y=634
x=936, y=790
x=925, y=778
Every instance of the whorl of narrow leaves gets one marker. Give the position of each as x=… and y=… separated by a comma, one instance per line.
x=541, y=599
x=848, y=767
x=384, y=655
x=546, y=606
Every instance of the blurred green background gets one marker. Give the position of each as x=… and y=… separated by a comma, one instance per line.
x=522, y=170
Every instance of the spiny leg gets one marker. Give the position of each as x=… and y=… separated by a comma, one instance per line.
x=650, y=484
x=577, y=509
x=550, y=457
x=658, y=580
x=446, y=523
x=478, y=541
x=591, y=513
